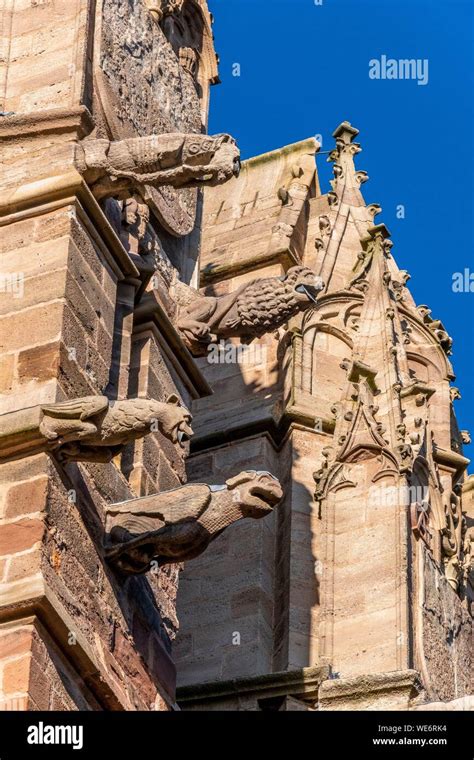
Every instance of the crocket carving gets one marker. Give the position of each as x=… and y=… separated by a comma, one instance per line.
x=178, y=525
x=94, y=429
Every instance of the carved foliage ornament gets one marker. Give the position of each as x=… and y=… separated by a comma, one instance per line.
x=161, y=8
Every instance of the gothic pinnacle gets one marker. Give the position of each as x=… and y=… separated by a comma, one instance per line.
x=343, y=157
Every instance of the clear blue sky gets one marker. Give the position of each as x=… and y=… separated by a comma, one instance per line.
x=305, y=68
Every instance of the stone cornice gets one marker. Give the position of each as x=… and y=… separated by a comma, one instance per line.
x=77, y=121
x=58, y=191
x=450, y=460
x=399, y=686
x=304, y=682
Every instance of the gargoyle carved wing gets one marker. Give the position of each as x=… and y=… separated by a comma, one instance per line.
x=77, y=409
x=180, y=505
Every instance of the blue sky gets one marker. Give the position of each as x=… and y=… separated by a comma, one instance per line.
x=304, y=68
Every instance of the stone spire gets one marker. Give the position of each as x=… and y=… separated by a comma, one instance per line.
x=344, y=217
x=395, y=448
x=347, y=180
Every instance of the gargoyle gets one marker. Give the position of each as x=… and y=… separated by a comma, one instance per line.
x=117, y=168
x=256, y=308
x=94, y=429
x=178, y=525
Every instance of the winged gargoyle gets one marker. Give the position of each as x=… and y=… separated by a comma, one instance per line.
x=117, y=168
x=94, y=429
x=257, y=307
x=178, y=525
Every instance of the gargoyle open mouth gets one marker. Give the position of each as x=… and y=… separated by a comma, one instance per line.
x=268, y=495
x=237, y=167
x=183, y=437
x=311, y=291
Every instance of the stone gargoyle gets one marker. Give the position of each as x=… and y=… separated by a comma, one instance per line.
x=94, y=429
x=257, y=307
x=118, y=168
x=178, y=525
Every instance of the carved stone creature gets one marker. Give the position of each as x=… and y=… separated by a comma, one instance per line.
x=178, y=525
x=256, y=308
x=117, y=168
x=94, y=429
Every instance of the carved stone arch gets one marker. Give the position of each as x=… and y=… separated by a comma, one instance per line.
x=427, y=346
x=330, y=480
x=322, y=340
x=352, y=316
x=339, y=478
x=430, y=372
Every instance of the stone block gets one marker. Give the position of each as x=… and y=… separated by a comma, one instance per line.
x=20, y=535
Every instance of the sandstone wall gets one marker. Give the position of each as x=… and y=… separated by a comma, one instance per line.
x=72, y=70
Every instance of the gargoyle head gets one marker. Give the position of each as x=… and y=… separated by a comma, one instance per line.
x=216, y=158
x=175, y=421
x=256, y=492
x=304, y=283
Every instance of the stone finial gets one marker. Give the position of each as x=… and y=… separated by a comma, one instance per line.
x=179, y=525
x=346, y=132
x=343, y=158
x=94, y=429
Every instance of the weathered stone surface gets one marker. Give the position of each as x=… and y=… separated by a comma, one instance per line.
x=393, y=690
x=257, y=308
x=327, y=603
x=178, y=525
x=175, y=160
x=369, y=568
x=20, y=535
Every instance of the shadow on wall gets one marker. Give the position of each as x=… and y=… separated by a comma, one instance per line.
x=255, y=588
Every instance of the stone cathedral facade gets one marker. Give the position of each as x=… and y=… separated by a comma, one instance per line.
x=230, y=471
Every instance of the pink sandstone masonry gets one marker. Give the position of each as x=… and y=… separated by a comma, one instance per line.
x=131, y=241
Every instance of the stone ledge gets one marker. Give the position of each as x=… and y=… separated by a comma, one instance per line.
x=302, y=683
x=19, y=433
x=78, y=121
x=465, y=704
x=378, y=691
x=69, y=189
x=29, y=601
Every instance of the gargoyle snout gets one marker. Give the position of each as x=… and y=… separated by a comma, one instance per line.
x=185, y=432
x=237, y=166
x=311, y=287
